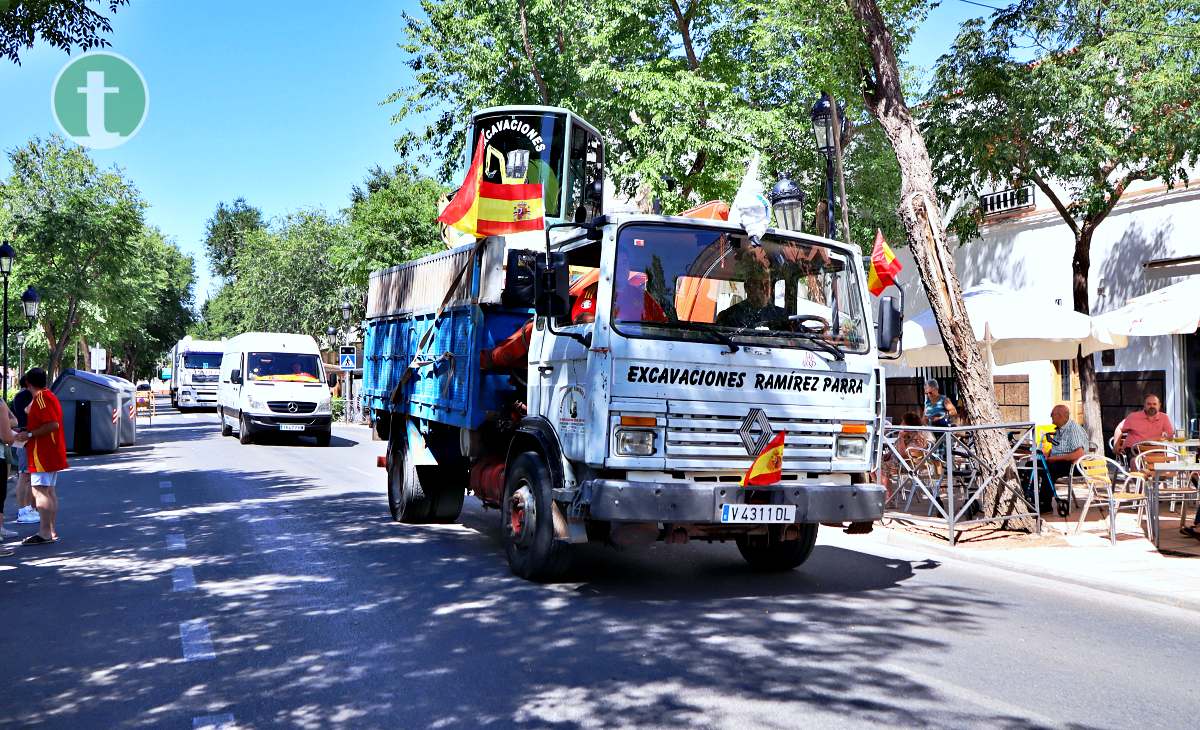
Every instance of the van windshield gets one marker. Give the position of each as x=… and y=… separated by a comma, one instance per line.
x=285, y=367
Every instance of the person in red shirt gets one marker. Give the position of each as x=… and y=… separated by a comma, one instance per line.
x=47, y=453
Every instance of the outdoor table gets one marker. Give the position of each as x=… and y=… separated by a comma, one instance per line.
x=1186, y=467
x=1185, y=444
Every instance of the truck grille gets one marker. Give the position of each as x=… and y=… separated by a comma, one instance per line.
x=291, y=406
x=713, y=440
x=204, y=378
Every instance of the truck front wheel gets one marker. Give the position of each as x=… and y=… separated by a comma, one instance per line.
x=528, y=522
x=772, y=553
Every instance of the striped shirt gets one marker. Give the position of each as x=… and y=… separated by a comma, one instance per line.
x=1068, y=437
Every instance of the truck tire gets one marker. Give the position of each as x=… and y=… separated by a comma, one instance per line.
x=527, y=521
x=226, y=429
x=768, y=553
x=407, y=497
x=448, y=499
x=244, y=431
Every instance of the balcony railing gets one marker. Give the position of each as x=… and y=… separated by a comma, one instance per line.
x=1006, y=201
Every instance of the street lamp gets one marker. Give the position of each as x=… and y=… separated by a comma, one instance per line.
x=822, y=123
x=30, y=302
x=331, y=333
x=787, y=202
x=7, y=254
x=345, y=311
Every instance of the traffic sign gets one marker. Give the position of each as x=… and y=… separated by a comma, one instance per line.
x=347, y=357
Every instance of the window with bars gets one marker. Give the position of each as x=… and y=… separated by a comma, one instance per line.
x=1004, y=201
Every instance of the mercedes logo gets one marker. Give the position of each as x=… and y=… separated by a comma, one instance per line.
x=755, y=431
x=292, y=407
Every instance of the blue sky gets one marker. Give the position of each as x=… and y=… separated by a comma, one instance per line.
x=277, y=102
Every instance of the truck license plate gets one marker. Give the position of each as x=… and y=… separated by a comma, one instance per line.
x=291, y=427
x=757, y=513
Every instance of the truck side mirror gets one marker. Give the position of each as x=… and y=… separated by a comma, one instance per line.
x=518, y=278
x=552, y=285
x=235, y=377
x=891, y=322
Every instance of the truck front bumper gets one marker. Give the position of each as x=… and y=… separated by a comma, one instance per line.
x=618, y=500
x=196, y=398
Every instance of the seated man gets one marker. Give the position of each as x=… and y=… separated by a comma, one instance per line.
x=757, y=309
x=1148, y=424
x=1068, y=443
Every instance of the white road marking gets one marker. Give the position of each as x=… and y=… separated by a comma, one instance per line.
x=197, y=642
x=167, y=498
x=183, y=579
x=176, y=541
x=213, y=722
x=165, y=484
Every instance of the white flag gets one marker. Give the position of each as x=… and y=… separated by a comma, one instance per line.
x=750, y=207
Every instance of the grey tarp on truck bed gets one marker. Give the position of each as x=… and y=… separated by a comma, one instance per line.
x=83, y=392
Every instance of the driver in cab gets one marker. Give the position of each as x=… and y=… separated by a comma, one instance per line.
x=757, y=309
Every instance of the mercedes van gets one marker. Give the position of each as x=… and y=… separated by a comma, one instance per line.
x=273, y=383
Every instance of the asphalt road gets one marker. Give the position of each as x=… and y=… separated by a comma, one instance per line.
x=202, y=583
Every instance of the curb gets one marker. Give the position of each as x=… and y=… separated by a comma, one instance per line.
x=1187, y=603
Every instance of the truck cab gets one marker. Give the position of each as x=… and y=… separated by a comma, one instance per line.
x=658, y=359
x=195, y=367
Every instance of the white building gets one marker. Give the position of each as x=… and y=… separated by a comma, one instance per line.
x=1026, y=246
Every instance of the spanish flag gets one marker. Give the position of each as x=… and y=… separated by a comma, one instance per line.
x=481, y=208
x=884, y=266
x=768, y=465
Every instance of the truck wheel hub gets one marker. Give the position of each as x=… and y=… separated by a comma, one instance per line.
x=522, y=515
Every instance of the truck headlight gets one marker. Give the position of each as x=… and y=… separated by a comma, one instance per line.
x=851, y=448
x=631, y=442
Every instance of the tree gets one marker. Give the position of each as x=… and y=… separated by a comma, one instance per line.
x=285, y=280
x=226, y=231
x=64, y=24
x=683, y=92
x=220, y=316
x=77, y=226
x=393, y=219
x=1110, y=101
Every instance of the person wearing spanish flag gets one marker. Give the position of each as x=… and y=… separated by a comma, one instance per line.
x=47, y=452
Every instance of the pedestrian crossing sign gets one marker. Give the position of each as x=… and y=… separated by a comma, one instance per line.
x=347, y=359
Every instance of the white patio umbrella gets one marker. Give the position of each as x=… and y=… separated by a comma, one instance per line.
x=1012, y=326
x=1172, y=310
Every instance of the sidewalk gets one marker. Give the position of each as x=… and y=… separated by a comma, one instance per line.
x=1131, y=567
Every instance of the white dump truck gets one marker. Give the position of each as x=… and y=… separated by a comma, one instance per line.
x=195, y=367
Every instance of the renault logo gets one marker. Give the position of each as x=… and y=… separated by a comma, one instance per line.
x=756, y=431
x=292, y=407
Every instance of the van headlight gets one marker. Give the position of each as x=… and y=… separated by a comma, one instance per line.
x=635, y=442
x=324, y=404
x=851, y=448
x=255, y=403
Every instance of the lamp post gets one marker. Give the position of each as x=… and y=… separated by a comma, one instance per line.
x=7, y=255
x=827, y=142
x=787, y=202
x=30, y=302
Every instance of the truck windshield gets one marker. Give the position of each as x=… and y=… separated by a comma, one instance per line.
x=202, y=360
x=784, y=293
x=283, y=367
x=524, y=148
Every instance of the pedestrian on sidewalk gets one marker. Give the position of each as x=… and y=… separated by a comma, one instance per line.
x=8, y=435
x=47, y=454
x=26, y=512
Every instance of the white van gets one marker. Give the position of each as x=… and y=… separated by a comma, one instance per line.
x=273, y=382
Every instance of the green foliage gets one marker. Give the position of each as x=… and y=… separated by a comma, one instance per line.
x=393, y=219
x=337, y=407
x=683, y=93
x=78, y=226
x=226, y=231
x=104, y=277
x=64, y=24
x=1109, y=101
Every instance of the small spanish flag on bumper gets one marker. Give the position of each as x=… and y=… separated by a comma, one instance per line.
x=884, y=266
x=481, y=208
x=768, y=465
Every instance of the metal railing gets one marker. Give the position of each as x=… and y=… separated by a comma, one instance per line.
x=951, y=464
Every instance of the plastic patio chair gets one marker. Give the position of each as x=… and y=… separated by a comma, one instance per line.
x=1108, y=485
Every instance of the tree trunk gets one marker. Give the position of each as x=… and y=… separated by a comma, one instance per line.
x=935, y=264
x=1085, y=365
